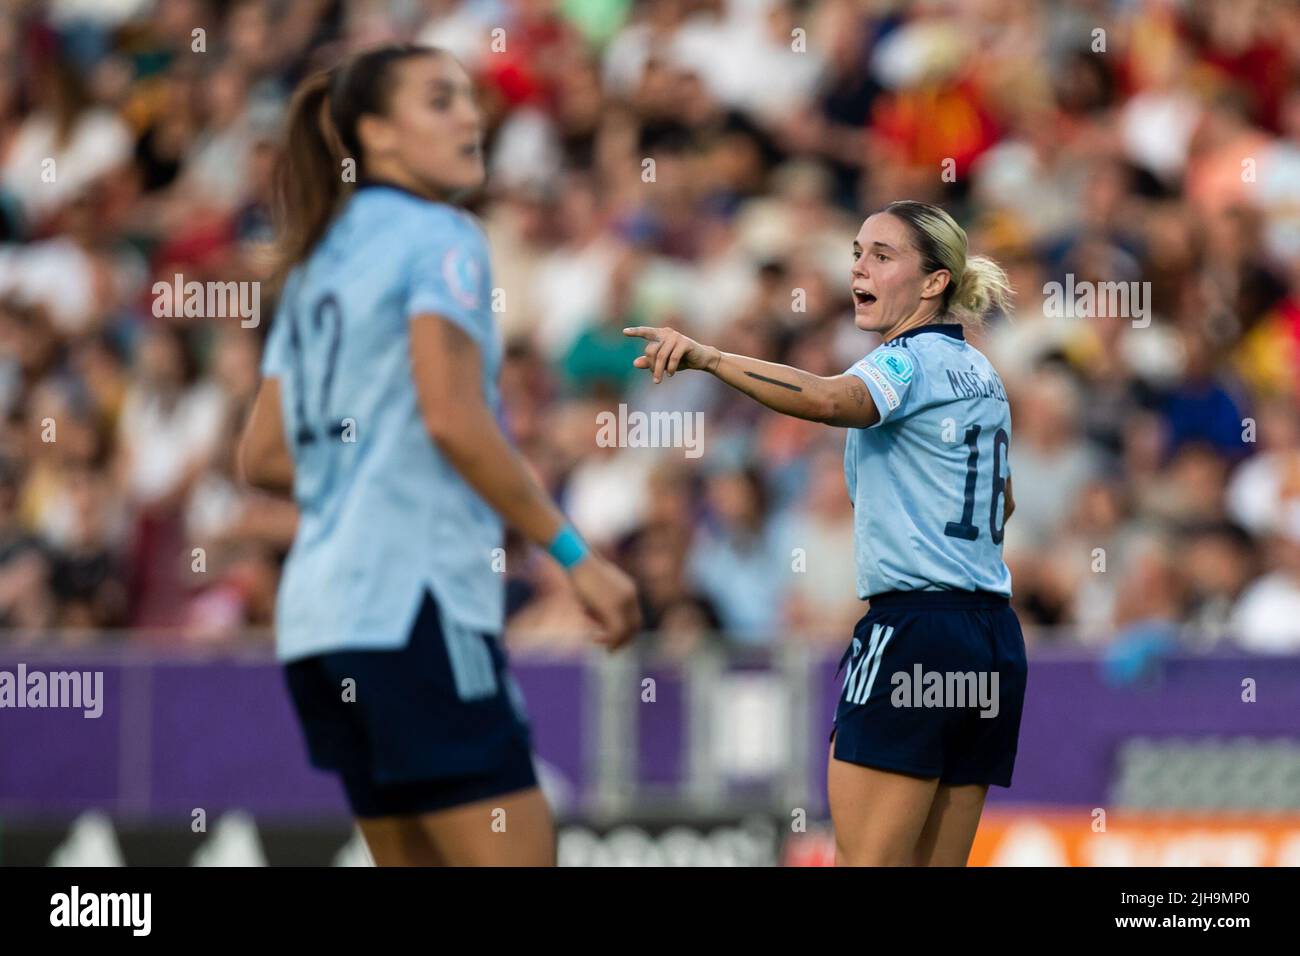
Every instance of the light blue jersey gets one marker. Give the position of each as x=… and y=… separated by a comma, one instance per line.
x=928, y=480
x=383, y=514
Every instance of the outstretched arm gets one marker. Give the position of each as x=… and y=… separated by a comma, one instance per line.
x=841, y=400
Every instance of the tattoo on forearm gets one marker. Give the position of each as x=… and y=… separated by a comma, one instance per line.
x=859, y=393
x=772, y=381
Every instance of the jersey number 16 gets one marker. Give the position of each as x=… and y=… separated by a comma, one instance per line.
x=964, y=528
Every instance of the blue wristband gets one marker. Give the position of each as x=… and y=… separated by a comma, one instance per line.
x=567, y=547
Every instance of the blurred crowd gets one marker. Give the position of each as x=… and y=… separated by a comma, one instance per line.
x=703, y=164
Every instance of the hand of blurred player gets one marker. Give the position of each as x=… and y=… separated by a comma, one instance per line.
x=668, y=350
x=609, y=596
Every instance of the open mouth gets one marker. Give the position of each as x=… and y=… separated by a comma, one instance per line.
x=863, y=298
x=470, y=149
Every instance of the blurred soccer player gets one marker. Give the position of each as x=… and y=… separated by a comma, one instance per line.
x=926, y=467
x=379, y=409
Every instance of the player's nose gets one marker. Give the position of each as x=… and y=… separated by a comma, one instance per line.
x=470, y=115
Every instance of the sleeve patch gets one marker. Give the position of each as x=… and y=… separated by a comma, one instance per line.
x=886, y=389
x=895, y=363
x=460, y=272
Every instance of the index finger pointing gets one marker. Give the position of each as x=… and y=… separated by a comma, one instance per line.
x=643, y=331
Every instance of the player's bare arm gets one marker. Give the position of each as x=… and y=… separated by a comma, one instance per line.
x=264, y=459
x=447, y=369
x=840, y=400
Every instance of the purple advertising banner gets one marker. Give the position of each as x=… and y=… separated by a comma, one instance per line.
x=219, y=733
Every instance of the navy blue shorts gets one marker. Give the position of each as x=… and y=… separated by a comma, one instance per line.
x=432, y=725
x=934, y=687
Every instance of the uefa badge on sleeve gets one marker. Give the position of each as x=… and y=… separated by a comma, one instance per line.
x=461, y=273
x=897, y=365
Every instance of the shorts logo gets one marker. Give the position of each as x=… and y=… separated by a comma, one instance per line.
x=858, y=681
x=461, y=273
x=897, y=365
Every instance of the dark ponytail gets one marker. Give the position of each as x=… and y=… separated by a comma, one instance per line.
x=308, y=176
x=322, y=133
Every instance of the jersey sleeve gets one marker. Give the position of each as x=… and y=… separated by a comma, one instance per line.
x=449, y=273
x=892, y=377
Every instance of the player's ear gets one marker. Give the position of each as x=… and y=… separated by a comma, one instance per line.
x=935, y=283
x=376, y=134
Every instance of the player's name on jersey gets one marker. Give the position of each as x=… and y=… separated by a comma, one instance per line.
x=974, y=385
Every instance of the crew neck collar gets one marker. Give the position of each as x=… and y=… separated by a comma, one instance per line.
x=389, y=184
x=950, y=329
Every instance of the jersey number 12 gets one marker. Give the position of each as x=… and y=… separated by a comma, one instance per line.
x=314, y=427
